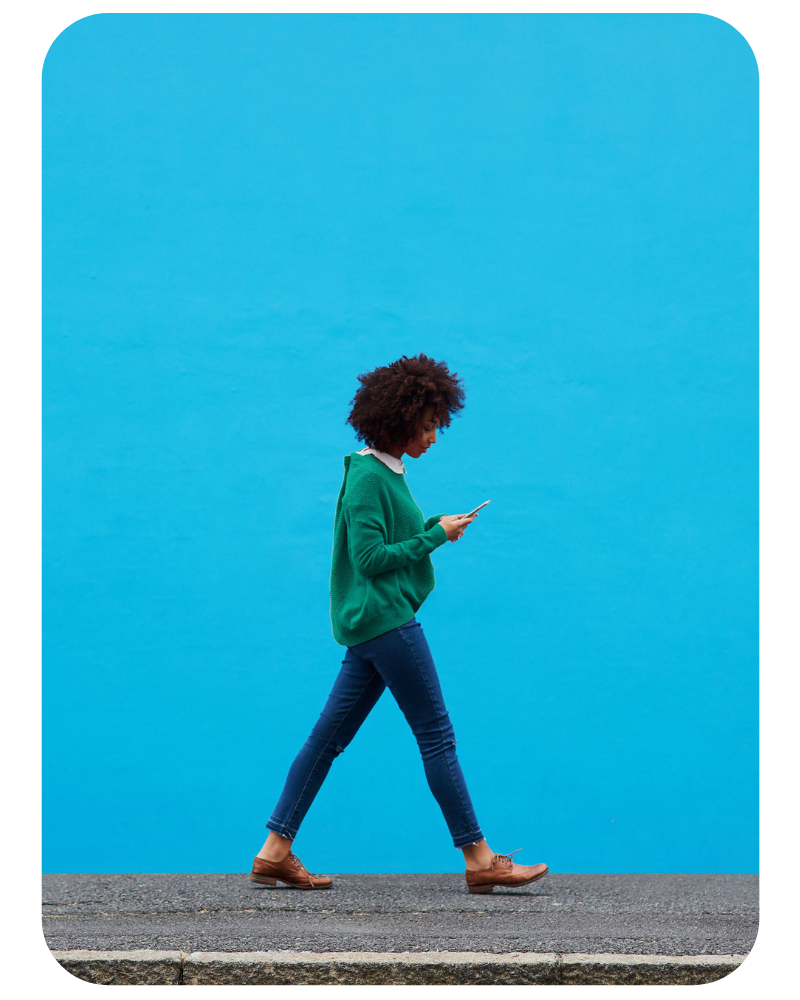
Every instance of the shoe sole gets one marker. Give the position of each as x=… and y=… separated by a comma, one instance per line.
x=268, y=880
x=504, y=885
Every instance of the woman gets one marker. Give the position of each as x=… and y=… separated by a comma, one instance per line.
x=381, y=573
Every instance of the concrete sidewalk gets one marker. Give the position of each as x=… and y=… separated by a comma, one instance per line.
x=198, y=929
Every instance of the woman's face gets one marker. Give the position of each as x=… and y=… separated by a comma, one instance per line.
x=426, y=436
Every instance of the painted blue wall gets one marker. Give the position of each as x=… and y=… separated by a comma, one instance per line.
x=243, y=212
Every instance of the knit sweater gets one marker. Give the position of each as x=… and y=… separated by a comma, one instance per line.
x=381, y=570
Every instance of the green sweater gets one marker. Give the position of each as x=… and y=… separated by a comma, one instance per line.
x=381, y=570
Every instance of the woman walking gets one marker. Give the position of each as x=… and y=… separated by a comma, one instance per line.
x=381, y=573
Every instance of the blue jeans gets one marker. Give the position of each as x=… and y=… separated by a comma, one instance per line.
x=400, y=660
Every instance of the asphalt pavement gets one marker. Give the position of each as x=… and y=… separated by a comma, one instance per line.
x=594, y=915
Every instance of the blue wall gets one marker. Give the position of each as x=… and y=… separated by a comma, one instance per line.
x=243, y=212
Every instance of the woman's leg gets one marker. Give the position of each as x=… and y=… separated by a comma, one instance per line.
x=354, y=694
x=403, y=660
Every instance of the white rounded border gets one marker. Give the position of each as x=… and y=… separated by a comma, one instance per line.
x=35, y=510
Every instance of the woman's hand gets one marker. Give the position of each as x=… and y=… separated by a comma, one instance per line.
x=455, y=525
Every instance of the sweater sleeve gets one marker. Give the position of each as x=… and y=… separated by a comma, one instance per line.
x=369, y=552
x=429, y=522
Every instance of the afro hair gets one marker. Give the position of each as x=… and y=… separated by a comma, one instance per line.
x=389, y=407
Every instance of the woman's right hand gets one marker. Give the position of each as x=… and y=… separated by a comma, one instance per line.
x=455, y=525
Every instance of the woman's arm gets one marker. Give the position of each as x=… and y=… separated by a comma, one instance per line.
x=430, y=521
x=369, y=552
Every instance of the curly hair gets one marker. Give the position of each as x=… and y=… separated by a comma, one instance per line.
x=389, y=407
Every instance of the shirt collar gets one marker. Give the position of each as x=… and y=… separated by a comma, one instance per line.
x=395, y=464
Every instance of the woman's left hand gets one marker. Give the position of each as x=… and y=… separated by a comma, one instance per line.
x=461, y=532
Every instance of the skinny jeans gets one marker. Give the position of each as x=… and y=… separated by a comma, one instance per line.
x=400, y=660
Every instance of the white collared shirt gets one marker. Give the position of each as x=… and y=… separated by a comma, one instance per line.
x=395, y=464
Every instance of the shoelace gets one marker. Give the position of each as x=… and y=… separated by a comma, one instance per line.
x=299, y=864
x=508, y=855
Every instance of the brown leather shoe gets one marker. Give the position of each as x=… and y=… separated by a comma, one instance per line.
x=290, y=871
x=504, y=871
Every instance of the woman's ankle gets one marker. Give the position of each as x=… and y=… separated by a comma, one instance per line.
x=276, y=848
x=272, y=856
x=478, y=856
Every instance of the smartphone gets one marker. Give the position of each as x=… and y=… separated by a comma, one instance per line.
x=476, y=509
